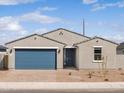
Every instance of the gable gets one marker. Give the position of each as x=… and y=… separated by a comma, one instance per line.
x=97, y=41
x=66, y=36
x=34, y=40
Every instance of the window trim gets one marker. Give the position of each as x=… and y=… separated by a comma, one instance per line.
x=98, y=61
x=97, y=46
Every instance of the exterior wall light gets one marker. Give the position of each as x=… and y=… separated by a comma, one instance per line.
x=59, y=51
x=10, y=51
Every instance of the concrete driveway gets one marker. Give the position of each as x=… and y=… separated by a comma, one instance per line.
x=59, y=76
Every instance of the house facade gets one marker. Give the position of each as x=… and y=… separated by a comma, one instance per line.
x=61, y=49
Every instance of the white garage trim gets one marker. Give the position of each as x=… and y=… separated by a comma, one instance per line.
x=36, y=47
x=97, y=46
x=2, y=52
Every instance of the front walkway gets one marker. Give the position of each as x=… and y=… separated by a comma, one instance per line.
x=61, y=76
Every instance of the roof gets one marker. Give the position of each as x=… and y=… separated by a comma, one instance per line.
x=67, y=31
x=121, y=46
x=96, y=38
x=62, y=42
x=2, y=47
x=33, y=35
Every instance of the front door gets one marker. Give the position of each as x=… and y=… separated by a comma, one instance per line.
x=69, y=57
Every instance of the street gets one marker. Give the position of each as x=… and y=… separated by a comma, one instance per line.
x=64, y=91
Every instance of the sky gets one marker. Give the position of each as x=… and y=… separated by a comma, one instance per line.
x=19, y=18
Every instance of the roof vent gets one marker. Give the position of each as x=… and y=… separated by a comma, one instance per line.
x=97, y=41
x=60, y=33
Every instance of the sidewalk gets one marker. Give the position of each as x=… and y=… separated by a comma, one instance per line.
x=62, y=85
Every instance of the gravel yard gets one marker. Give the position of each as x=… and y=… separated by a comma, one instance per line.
x=61, y=76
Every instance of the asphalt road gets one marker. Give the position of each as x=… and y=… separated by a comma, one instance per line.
x=63, y=91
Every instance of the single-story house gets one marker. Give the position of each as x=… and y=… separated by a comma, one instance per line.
x=61, y=49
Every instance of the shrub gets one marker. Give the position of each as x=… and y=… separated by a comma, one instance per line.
x=106, y=79
x=119, y=68
x=90, y=75
x=69, y=73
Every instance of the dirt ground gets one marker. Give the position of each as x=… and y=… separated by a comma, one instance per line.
x=61, y=76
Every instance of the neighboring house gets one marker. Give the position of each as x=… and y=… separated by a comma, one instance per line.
x=2, y=49
x=120, y=49
x=2, y=55
x=120, y=55
x=60, y=49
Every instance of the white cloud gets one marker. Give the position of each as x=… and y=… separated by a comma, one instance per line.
x=98, y=6
x=114, y=26
x=38, y=17
x=116, y=38
x=13, y=23
x=7, y=36
x=47, y=8
x=8, y=23
x=15, y=2
x=112, y=30
x=121, y=4
x=89, y=1
x=11, y=26
x=121, y=15
x=41, y=30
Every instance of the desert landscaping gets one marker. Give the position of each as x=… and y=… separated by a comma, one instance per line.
x=62, y=75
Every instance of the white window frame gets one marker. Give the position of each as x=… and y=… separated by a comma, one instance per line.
x=98, y=61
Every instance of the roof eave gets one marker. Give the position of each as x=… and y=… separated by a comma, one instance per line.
x=96, y=38
x=66, y=30
x=33, y=35
x=20, y=39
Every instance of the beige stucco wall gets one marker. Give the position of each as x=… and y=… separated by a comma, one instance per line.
x=31, y=42
x=120, y=61
x=68, y=37
x=86, y=54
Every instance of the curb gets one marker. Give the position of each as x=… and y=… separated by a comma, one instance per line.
x=61, y=85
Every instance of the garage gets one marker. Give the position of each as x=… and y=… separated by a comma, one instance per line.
x=35, y=59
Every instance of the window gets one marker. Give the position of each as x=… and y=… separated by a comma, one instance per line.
x=97, y=53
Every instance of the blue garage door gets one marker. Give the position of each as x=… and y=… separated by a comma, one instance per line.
x=35, y=59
